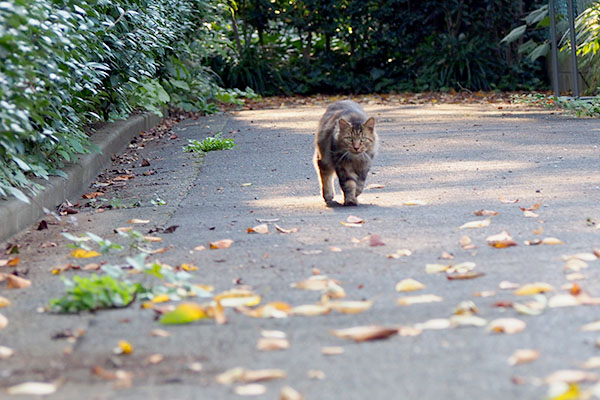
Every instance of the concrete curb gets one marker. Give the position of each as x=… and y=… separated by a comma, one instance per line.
x=16, y=215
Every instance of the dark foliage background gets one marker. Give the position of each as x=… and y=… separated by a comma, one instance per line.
x=358, y=46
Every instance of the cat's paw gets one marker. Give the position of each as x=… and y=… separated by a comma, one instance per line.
x=350, y=202
x=327, y=197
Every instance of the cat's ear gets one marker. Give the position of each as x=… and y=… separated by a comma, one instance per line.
x=369, y=124
x=344, y=125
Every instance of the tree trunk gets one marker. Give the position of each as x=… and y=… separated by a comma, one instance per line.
x=236, y=32
x=307, y=49
x=327, y=43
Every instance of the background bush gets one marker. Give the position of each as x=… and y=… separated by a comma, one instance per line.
x=308, y=46
x=70, y=63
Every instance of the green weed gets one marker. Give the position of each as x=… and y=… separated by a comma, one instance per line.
x=210, y=143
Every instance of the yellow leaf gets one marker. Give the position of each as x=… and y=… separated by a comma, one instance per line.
x=4, y=302
x=435, y=268
x=126, y=347
x=184, y=313
x=533, y=288
x=269, y=310
x=189, y=267
x=414, y=203
x=81, y=253
x=572, y=393
x=161, y=298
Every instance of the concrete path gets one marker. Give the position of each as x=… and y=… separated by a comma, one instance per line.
x=452, y=159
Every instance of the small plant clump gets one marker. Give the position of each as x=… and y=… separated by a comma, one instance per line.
x=95, y=293
x=210, y=143
x=578, y=107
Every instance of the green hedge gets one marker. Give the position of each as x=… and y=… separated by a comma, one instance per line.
x=66, y=64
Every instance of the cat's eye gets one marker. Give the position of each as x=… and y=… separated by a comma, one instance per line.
x=349, y=138
x=363, y=139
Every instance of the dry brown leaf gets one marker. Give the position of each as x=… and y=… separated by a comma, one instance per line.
x=501, y=240
x=289, y=393
x=311, y=310
x=364, y=333
x=332, y=350
x=152, y=239
x=424, y=298
x=538, y=231
x=375, y=240
x=91, y=267
x=482, y=223
x=283, y=230
x=461, y=268
x=375, y=186
x=465, y=275
x=507, y=325
x=350, y=307
x=523, y=356
x=92, y=195
x=3, y=321
x=446, y=256
x=485, y=213
x=269, y=310
x=62, y=268
x=272, y=344
x=409, y=284
x=570, y=376
x=16, y=282
x=533, y=242
x=221, y=244
x=530, y=214
x=262, y=229
x=252, y=389
x=534, y=288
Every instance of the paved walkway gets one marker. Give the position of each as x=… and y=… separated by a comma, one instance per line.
x=450, y=160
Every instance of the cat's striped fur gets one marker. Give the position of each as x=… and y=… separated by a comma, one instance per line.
x=345, y=145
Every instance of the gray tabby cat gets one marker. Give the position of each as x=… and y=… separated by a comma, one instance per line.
x=346, y=143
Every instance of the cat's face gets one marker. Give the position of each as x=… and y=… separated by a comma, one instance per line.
x=357, y=138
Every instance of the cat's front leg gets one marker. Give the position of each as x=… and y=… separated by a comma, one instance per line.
x=348, y=185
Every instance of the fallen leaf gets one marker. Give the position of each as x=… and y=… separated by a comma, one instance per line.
x=352, y=219
x=424, y=298
x=243, y=375
x=62, y=268
x=534, y=288
x=269, y=333
x=159, y=333
x=400, y=253
x=124, y=347
x=508, y=201
x=334, y=249
x=581, y=256
x=530, y=214
x=414, y=203
x=253, y=389
x=551, y=241
x=507, y=285
x=466, y=243
x=92, y=195
x=32, y=389
x=436, y=268
x=246, y=184
x=200, y=248
x=591, y=327
x=269, y=310
x=3, y=321
x=315, y=374
x=465, y=275
x=350, y=307
x=538, y=231
x=501, y=240
x=461, y=268
x=311, y=310
x=289, y=393
x=506, y=325
x=272, y=344
x=332, y=350
x=485, y=213
x=467, y=320
x=409, y=331
x=571, y=376
x=238, y=298
x=563, y=300
x=184, y=313
x=316, y=282
x=262, y=229
x=42, y=226
x=482, y=223
x=446, y=256
x=282, y=230
x=375, y=240
x=153, y=239
x=81, y=253
x=16, y=282
x=138, y=221
x=523, y=356
x=262, y=220
x=154, y=359
x=311, y=252
x=592, y=362
x=409, y=284
x=4, y=302
x=189, y=267
x=574, y=276
x=434, y=324
x=466, y=307
x=6, y=352
x=485, y=293
x=375, y=186
x=221, y=244
x=575, y=264
x=364, y=333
